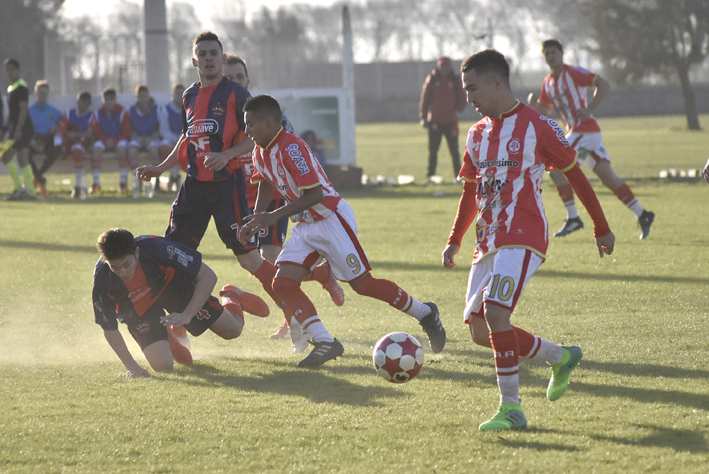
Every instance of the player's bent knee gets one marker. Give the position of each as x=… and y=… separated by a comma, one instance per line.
x=159, y=356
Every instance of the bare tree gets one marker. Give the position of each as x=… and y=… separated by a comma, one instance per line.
x=640, y=38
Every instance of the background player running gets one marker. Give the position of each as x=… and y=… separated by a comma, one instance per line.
x=136, y=279
x=505, y=157
x=270, y=239
x=564, y=89
x=326, y=229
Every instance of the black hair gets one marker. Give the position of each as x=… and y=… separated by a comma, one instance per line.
x=264, y=106
x=488, y=61
x=552, y=42
x=116, y=243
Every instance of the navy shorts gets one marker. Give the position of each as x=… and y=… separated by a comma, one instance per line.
x=199, y=201
x=276, y=234
x=148, y=329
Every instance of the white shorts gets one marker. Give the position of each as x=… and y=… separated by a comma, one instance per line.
x=499, y=279
x=144, y=143
x=102, y=146
x=590, y=147
x=334, y=238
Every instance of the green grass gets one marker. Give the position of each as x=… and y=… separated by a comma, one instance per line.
x=639, y=402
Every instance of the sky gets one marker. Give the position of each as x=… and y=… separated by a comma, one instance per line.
x=73, y=8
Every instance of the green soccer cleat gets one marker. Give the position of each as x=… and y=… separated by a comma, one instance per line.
x=508, y=417
x=560, y=372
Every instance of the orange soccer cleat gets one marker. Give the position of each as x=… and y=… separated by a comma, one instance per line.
x=180, y=353
x=249, y=302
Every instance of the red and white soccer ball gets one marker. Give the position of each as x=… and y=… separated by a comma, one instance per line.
x=398, y=357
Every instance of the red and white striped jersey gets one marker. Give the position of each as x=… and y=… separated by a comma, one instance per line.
x=289, y=165
x=507, y=157
x=567, y=94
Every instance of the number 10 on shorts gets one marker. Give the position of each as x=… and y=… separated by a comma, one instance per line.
x=502, y=288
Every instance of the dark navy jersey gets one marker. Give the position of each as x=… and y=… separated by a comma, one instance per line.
x=159, y=261
x=212, y=121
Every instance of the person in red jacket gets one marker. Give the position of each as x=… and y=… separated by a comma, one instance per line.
x=441, y=97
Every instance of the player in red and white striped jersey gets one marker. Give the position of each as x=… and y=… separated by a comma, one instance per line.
x=270, y=239
x=505, y=157
x=564, y=90
x=326, y=228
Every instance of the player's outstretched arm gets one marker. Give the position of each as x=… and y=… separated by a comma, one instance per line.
x=147, y=172
x=216, y=161
x=605, y=240
x=115, y=340
x=204, y=284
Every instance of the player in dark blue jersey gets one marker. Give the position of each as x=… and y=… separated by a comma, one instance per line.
x=212, y=140
x=137, y=279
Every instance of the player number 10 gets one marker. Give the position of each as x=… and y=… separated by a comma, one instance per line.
x=502, y=287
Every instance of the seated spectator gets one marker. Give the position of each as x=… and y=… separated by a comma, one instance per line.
x=111, y=125
x=145, y=135
x=311, y=139
x=170, y=118
x=74, y=136
x=45, y=118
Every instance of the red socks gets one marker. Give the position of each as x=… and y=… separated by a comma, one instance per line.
x=302, y=308
x=384, y=290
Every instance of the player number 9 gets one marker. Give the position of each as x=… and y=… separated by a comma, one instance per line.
x=354, y=264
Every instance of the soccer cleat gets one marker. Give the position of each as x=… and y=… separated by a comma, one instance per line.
x=434, y=328
x=645, y=221
x=232, y=304
x=25, y=196
x=249, y=302
x=571, y=224
x=337, y=294
x=322, y=352
x=282, y=333
x=79, y=193
x=16, y=195
x=95, y=189
x=122, y=188
x=509, y=417
x=560, y=372
x=180, y=353
x=299, y=340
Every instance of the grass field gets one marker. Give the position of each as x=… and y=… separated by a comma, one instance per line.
x=639, y=402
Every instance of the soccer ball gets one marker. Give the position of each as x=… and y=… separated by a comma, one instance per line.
x=398, y=357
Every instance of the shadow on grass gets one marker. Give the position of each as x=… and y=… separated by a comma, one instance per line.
x=387, y=265
x=687, y=441
x=537, y=446
x=645, y=370
x=644, y=395
x=313, y=384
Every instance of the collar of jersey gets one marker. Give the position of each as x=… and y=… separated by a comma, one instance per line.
x=275, y=139
x=510, y=112
x=18, y=83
